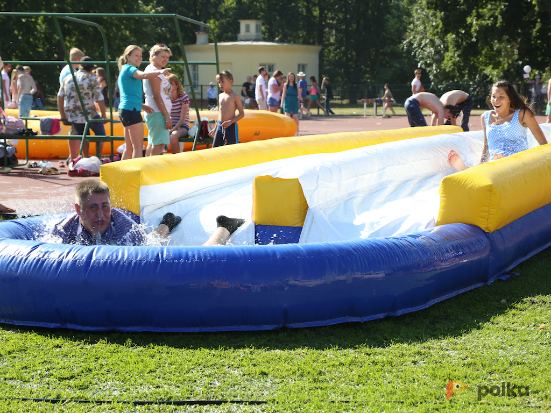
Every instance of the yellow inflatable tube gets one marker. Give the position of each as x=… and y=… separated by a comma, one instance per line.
x=495, y=194
x=126, y=178
x=256, y=125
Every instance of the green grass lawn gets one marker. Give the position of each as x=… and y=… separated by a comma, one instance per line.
x=482, y=338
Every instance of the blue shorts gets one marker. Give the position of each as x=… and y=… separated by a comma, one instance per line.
x=273, y=103
x=415, y=116
x=130, y=117
x=225, y=136
x=96, y=127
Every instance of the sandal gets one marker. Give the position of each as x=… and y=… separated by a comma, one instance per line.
x=49, y=171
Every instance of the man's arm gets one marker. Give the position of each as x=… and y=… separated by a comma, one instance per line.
x=101, y=105
x=244, y=90
x=61, y=108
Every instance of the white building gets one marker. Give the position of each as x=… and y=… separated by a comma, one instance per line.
x=243, y=57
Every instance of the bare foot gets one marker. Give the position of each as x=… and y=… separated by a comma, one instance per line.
x=455, y=161
x=4, y=208
x=498, y=156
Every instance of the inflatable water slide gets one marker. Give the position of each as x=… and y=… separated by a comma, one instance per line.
x=339, y=228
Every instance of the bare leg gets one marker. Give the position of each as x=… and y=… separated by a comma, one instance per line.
x=4, y=208
x=162, y=230
x=273, y=108
x=456, y=162
x=226, y=227
x=74, y=148
x=295, y=118
x=498, y=156
x=155, y=149
x=148, y=149
x=134, y=142
x=220, y=237
x=321, y=107
x=174, y=144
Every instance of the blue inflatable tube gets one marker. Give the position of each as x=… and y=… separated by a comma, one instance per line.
x=183, y=289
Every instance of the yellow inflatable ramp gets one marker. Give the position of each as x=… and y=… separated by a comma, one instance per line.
x=126, y=178
x=497, y=193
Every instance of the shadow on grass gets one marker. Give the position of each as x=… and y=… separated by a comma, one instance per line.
x=450, y=318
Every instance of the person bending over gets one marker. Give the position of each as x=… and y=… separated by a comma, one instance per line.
x=455, y=102
x=225, y=132
x=416, y=103
x=95, y=222
x=505, y=127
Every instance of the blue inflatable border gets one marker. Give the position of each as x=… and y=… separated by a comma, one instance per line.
x=193, y=289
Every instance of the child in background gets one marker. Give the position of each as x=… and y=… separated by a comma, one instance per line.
x=315, y=95
x=389, y=101
x=225, y=132
x=130, y=108
x=179, y=113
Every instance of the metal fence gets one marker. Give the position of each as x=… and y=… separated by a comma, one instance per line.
x=351, y=94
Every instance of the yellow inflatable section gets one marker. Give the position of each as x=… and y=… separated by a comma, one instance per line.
x=495, y=194
x=278, y=201
x=126, y=178
x=256, y=125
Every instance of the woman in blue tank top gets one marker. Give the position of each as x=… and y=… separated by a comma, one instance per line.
x=505, y=127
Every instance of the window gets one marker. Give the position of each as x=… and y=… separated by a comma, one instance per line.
x=302, y=68
x=270, y=67
x=258, y=28
x=247, y=28
x=195, y=77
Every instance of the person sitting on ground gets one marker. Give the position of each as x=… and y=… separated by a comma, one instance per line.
x=416, y=103
x=70, y=108
x=225, y=131
x=455, y=102
x=505, y=127
x=96, y=223
x=179, y=113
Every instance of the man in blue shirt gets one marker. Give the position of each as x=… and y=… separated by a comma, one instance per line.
x=302, y=93
x=96, y=223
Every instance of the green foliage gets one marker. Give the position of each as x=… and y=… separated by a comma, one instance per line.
x=360, y=40
x=479, y=40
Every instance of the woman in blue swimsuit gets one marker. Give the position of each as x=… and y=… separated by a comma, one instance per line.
x=505, y=128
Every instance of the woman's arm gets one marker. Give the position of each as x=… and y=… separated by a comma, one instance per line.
x=485, y=151
x=156, y=92
x=138, y=74
x=529, y=120
x=283, y=97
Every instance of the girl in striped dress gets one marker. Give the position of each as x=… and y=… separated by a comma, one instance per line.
x=179, y=113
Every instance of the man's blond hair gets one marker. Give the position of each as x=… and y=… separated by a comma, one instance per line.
x=75, y=54
x=89, y=187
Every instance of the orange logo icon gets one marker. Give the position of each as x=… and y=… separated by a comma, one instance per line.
x=454, y=386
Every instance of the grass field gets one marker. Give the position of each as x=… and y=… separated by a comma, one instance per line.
x=486, y=337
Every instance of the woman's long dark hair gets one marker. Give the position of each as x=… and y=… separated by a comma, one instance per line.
x=517, y=101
